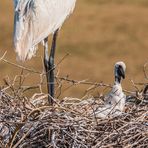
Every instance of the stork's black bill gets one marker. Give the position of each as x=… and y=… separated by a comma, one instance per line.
x=121, y=71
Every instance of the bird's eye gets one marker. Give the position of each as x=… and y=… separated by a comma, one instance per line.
x=109, y=102
x=18, y=10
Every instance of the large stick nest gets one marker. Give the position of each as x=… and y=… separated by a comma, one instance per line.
x=30, y=122
x=27, y=122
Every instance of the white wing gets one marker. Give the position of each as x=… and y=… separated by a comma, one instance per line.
x=116, y=97
x=35, y=20
x=106, y=111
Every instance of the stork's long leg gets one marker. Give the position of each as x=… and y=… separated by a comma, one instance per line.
x=49, y=66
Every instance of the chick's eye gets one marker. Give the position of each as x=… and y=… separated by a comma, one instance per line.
x=18, y=10
x=109, y=102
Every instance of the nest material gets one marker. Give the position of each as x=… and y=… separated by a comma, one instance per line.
x=32, y=123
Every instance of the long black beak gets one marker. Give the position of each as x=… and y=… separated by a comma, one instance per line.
x=121, y=72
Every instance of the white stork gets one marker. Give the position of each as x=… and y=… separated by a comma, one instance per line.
x=34, y=21
x=115, y=99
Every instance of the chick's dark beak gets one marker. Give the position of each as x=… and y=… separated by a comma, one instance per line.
x=121, y=72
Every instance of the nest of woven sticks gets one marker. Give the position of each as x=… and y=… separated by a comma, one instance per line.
x=30, y=122
x=27, y=122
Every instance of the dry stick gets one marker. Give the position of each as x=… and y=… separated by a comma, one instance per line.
x=14, y=136
x=63, y=58
x=89, y=83
x=58, y=63
x=74, y=139
x=50, y=107
x=26, y=88
x=2, y=57
x=11, y=122
x=94, y=114
x=144, y=70
x=143, y=84
x=109, y=136
x=20, y=66
x=10, y=86
x=91, y=88
x=134, y=85
x=67, y=88
x=89, y=131
x=132, y=137
x=66, y=79
x=142, y=116
x=82, y=82
x=23, y=137
x=17, y=130
x=112, y=145
x=134, y=144
x=60, y=90
x=22, y=79
x=28, y=69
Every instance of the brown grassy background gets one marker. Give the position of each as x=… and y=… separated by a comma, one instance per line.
x=99, y=33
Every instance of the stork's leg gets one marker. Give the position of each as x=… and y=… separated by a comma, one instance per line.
x=49, y=66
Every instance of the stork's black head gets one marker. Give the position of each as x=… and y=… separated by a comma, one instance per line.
x=120, y=68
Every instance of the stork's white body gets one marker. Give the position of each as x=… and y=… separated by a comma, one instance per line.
x=114, y=105
x=116, y=97
x=35, y=20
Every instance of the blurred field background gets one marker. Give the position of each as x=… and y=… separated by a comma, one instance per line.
x=99, y=33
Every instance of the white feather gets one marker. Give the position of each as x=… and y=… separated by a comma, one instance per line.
x=114, y=105
x=116, y=97
x=35, y=20
x=107, y=111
